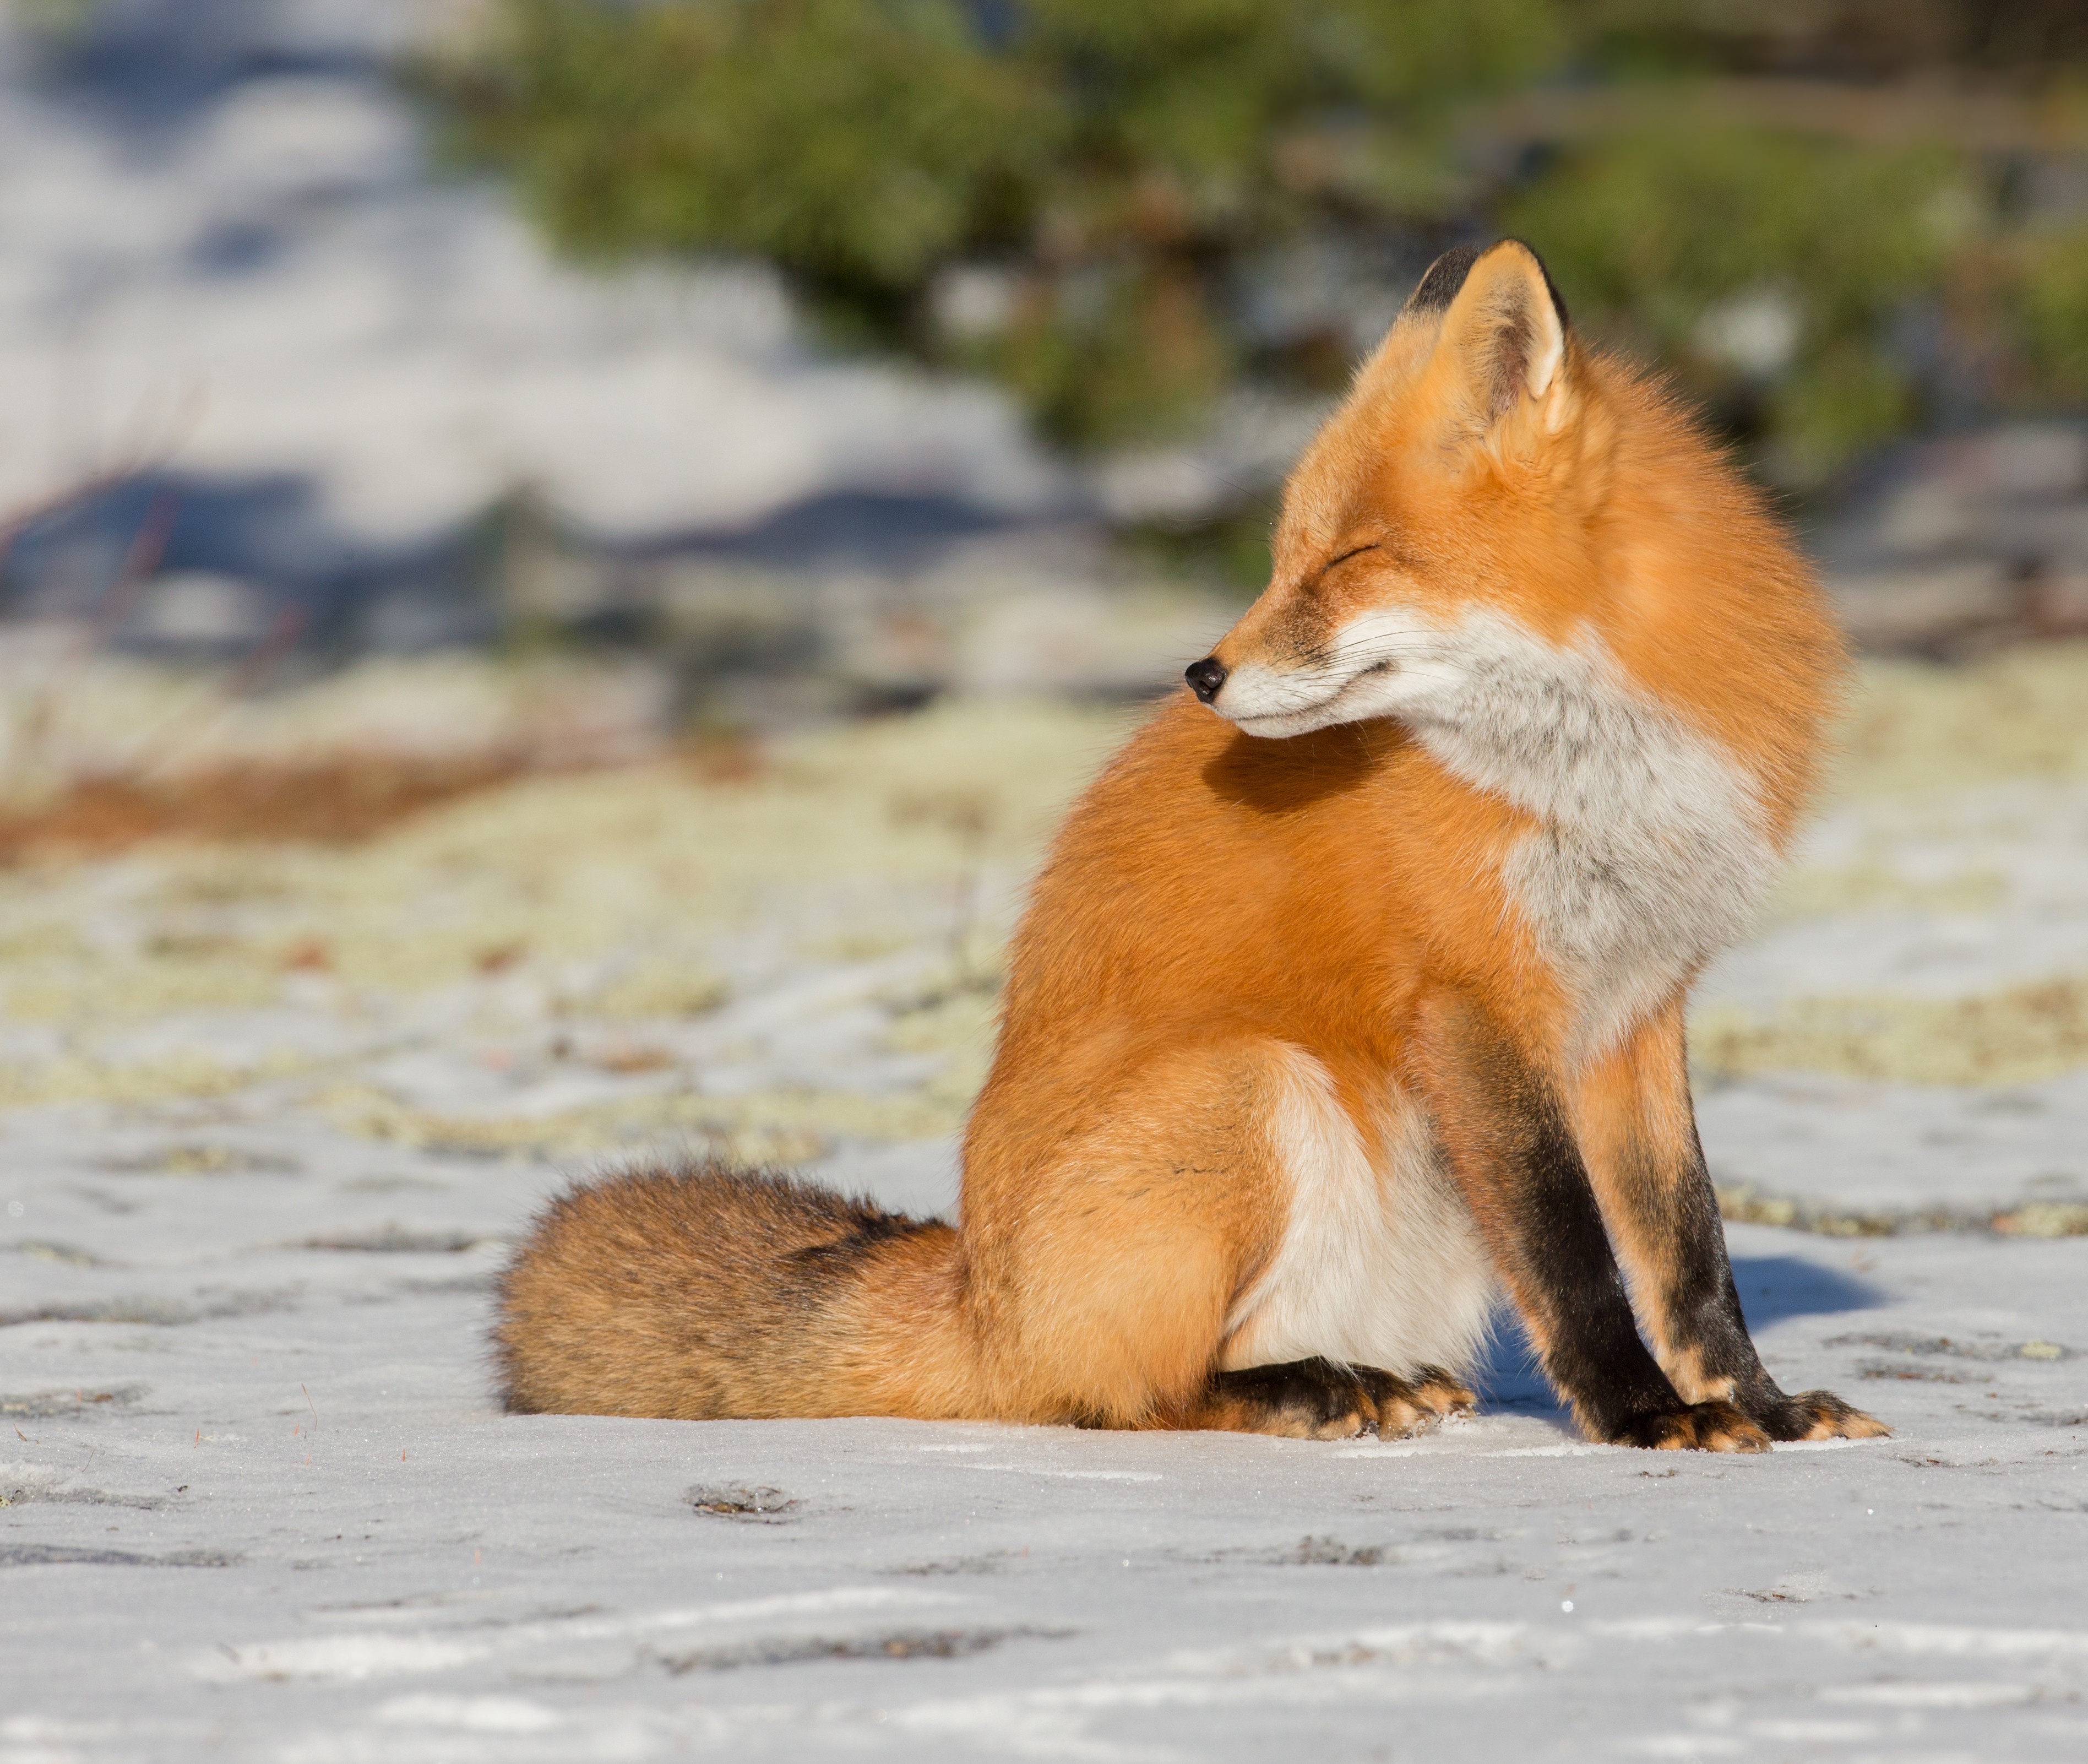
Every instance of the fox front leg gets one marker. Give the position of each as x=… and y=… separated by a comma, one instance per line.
x=1511, y=1155
x=1637, y=1128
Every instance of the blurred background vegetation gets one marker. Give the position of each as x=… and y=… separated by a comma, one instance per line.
x=1836, y=222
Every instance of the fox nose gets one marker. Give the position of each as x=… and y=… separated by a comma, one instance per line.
x=1205, y=677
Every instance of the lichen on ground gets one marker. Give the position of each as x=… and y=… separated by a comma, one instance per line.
x=650, y=893
x=609, y=888
x=1813, y=891
x=1920, y=727
x=1744, y=1205
x=2016, y=1035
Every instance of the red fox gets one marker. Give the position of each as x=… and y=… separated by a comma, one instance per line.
x=1352, y=992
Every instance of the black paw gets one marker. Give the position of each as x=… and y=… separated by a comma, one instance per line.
x=1816, y=1415
x=1695, y=1427
x=1316, y=1399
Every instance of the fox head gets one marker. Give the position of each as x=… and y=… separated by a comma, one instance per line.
x=1464, y=475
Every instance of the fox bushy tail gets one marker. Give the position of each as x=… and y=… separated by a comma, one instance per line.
x=709, y=1292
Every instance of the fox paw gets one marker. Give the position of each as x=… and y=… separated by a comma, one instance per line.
x=1437, y=1395
x=1820, y=1414
x=1699, y=1427
x=1316, y=1399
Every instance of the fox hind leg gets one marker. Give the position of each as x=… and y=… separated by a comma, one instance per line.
x=1106, y=1267
x=1179, y=1179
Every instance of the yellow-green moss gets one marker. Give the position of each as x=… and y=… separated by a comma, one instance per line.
x=1746, y=1204
x=1918, y=726
x=604, y=895
x=603, y=887
x=1814, y=892
x=2016, y=1036
x=770, y=1127
x=73, y=1079
x=113, y=989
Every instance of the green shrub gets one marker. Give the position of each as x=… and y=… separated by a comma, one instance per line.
x=1113, y=157
x=1662, y=235
x=2052, y=307
x=858, y=145
x=1069, y=194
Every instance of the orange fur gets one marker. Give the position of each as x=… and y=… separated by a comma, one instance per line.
x=1230, y=926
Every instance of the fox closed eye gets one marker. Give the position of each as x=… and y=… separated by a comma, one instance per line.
x=1354, y=551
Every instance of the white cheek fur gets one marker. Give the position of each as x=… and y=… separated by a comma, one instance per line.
x=1389, y=662
x=1652, y=853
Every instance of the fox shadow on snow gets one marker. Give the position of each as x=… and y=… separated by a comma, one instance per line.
x=1772, y=1288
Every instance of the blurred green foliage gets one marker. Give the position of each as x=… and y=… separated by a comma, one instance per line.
x=1082, y=197
x=857, y=145
x=2052, y=291
x=1107, y=159
x=1764, y=267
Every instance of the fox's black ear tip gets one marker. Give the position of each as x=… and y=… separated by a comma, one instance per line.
x=1438, y=287
x=1450, y=272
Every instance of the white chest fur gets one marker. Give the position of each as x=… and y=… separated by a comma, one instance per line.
x=1651, y=854
x=1651, y=851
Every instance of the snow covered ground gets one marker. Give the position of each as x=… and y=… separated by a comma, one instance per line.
x=269, y=1118
x=262, y=1508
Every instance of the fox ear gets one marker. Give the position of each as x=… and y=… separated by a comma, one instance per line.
x=1503, y=341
